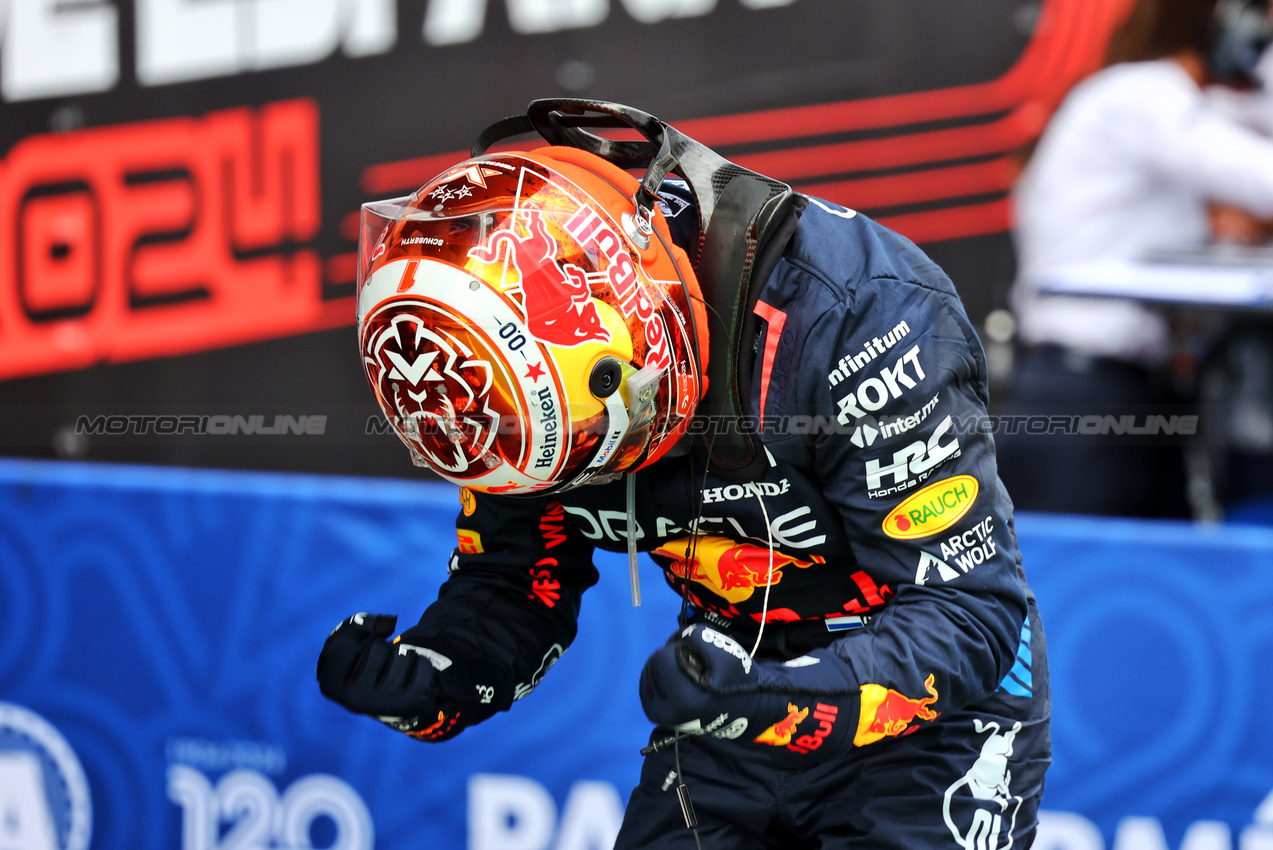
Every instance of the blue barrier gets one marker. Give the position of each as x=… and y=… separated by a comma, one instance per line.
x=158, y=631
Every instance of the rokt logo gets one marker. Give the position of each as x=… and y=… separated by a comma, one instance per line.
x=44, y=797
x=935, y=508
x=873, y=393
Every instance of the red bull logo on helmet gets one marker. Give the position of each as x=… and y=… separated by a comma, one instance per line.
x=592, y=231
x=932, y=510
x=886, y=713
x=555, y=298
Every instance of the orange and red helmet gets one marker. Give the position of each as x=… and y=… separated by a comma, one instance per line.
x=525, y=326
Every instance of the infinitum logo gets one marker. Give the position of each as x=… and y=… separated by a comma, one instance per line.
x=854, y=362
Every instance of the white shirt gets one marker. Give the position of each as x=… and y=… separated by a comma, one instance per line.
x=1128, y=164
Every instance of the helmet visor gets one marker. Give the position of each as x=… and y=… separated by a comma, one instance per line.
x=506, y=274
x=511, y=316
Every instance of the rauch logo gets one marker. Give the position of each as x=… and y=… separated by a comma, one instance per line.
x=935, y=508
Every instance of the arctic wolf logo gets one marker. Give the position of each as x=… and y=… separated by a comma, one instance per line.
x=557, y=302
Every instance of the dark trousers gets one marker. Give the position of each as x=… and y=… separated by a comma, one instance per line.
x=970, y=779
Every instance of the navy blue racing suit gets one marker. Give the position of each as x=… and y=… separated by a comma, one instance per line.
x=907, y=658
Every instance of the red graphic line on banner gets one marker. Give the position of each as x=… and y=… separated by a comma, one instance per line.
x=341, y=268
x=161, y=238
x=918, y=186
x=957, y=223
x=1069, y=39
x=877, y=154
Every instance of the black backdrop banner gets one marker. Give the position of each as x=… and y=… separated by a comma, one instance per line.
x=180, y=179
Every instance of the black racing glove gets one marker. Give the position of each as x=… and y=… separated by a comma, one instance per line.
x=704, y=682
x=402, y=685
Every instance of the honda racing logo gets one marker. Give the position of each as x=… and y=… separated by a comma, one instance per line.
x=912, y=464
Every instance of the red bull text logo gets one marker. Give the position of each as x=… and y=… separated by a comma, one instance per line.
x=780, y=734
x=557, y=301
x=729, y=569
x=887, y=713
x=591, y=231
x=934, y=509
x=825, y=715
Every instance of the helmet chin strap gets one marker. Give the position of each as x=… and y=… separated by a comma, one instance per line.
x=742, y=217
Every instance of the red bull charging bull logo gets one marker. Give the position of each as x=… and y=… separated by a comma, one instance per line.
x=780, y=734
x=595, y=234
x=556, y=299
x=729, y=569
x=887, y=713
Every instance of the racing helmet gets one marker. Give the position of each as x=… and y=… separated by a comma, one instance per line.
x=526, y=326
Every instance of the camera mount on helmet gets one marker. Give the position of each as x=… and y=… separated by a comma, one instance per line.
x=740, y=214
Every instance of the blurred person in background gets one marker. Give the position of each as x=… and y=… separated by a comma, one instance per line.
x=1140, y=156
